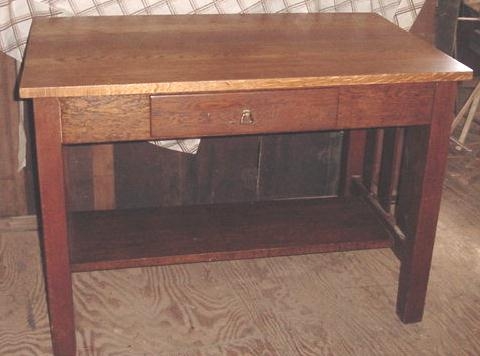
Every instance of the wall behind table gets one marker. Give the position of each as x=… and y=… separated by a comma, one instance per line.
x=139, y=174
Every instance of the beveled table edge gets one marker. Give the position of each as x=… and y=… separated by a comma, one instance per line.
x=240, y=84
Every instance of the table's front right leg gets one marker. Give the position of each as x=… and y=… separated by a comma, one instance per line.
x=54, y=225
x=420, y=189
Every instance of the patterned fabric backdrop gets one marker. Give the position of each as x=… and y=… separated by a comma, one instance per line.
x=16, y=17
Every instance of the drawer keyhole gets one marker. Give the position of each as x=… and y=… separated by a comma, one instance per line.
x=247, y=118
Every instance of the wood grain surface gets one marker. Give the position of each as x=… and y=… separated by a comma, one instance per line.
x=143, y=117
x=103, y=177
x=301, y=305
x=54, y=227
x=128, y=238
x=55, y=316
x=220, y=114
x=385, y=105
x=174, y=54
x=79, y=177
x=110, y=118
x=419, y=197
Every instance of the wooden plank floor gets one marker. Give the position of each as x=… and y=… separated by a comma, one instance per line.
x=325, y=304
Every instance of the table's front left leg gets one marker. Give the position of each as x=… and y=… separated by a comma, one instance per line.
x=419, y=195
x=54, y=225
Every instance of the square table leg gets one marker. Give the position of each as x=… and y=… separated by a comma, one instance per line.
x=419, y=196
x=54, y=225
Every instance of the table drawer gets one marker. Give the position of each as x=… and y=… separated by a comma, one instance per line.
x=216, y=114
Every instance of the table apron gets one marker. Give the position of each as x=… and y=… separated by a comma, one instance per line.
x=145, y=117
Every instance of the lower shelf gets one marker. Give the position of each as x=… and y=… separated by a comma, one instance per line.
x=145, y=237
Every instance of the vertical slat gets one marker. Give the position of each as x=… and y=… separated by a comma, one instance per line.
x=54, y=225
x=390, y=161
x=420, y=189
x=353, y=151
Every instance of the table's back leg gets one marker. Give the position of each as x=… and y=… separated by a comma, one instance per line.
x=419, y=195
x=359, y=158
x=54, y=225
x=353, y=151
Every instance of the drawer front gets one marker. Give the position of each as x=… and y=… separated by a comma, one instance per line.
x=385, y=105
x=216, y=114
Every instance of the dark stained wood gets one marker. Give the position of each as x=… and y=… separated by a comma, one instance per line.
x=119, y=239
x=103, y=175
x=303, y=165
x=354, y=140
x=223, y=170
x=31, y=190
x=387, y=219
x=424, y=25
x=309, y=291
x=97, y=119
x=224, y=53
x=54, y=225
x=423, y=167
x=227, y=170
x=79, y=177
x=370, y=160
x=148, y=176
x=90, y=176
x=353, y=152
x=220, y=114
x=385, y=105
x=116, y=239
x=390, y=166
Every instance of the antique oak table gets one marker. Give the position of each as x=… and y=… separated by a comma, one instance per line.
x=112, y=79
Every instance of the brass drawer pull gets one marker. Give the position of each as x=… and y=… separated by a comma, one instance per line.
x=246, y=118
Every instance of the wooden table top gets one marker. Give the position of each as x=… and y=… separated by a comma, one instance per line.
x=81, y=56
x=473, y=4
